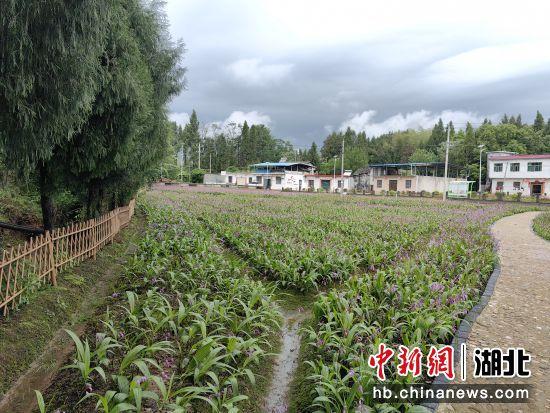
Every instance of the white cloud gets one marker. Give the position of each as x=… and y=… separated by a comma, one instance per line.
x=234, y=120
x=252, y=118
x=255, y=73
x=421, y=119
x=490, y=64
x=181, y=118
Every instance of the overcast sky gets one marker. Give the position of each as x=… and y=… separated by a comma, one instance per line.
x=306, y=68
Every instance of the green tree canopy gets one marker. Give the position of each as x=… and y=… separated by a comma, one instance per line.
x=51, y=59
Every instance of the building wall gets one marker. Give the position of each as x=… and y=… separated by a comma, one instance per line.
x=362, y=182
x=524, y=186
x=523, y=173
x=333, y=182
x=522, y=177
x=432, y=183
x=295, y=181
x=417, y=183
x=214, y=179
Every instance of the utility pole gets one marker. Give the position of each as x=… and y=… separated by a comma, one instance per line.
x=334, y=170
x=210, y=165
x=447, y=160
x=342, y=169
x=181, y=164
x=480, y=152
x=199, y=154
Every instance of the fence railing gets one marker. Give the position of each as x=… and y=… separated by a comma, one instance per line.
x=38, y=260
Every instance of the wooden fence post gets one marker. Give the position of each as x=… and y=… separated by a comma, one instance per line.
x=93, y=223
x=52, y=259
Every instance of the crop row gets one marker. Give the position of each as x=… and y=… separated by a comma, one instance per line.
x=186, y=337
x=307, y=245
x=541, y=225
x=410, y=270
x=416, y=302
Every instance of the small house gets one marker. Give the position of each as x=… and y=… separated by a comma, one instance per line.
x=511, y=173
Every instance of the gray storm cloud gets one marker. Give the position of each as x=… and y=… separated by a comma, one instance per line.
x=306, y=68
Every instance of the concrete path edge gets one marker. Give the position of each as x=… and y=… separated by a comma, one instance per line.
x=467, y=323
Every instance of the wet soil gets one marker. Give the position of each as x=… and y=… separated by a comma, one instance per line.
x=286, y=361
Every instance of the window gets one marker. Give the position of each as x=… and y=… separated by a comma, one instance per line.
x=339, y=184
x=278, y=180
x=517, y=185
x=379, y=183
x=259, y=179
x=230, y=179
x=534, y=166
x=514, y=167
x=498, y=167
x=408, y=184
x=500, y=186
x=250, y=180
x=311, y=183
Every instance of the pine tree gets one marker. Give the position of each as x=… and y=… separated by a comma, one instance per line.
x=452, y=134
x=332, y=146
x=438, y=136
x=191, y=137
x=505, y=119
x=538, y=125
x=313, y=155
x=518, y=122
x=246, y=146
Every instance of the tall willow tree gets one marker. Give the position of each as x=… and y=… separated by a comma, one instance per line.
x=126, y=133
x=49, y=78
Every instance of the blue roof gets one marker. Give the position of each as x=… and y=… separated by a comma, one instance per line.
x=280, y=164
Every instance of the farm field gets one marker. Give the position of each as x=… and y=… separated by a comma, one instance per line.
x=196, y=327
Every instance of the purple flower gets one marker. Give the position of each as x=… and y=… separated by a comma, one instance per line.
x=88, y=388
x=141, y=379
x=435, y=286
x=115, y=295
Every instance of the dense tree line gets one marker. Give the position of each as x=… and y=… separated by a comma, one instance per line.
x=239, y=146
x=511, y=134
x=224, y=148
x=83, y=90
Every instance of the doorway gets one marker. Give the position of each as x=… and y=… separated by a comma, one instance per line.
x=268, y=183
x=536, y=189
x=393, y=184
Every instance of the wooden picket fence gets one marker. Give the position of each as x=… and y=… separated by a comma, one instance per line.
x=38, y=260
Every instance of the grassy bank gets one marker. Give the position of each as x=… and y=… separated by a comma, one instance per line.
x=25, y=334
x=541, y=225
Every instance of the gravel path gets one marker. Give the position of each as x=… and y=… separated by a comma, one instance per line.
x=518, y=313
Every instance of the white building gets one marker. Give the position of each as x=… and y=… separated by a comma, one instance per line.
x=292, y=176
x=404, y=177
x=329, y=182
x=511, y=173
